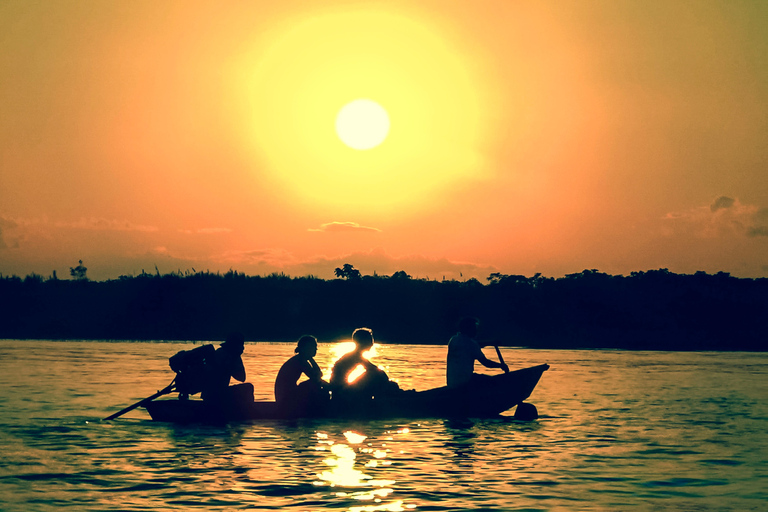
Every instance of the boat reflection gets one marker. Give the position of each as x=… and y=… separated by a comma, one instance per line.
x=460, y=440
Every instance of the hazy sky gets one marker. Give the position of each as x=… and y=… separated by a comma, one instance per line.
x=541, y=136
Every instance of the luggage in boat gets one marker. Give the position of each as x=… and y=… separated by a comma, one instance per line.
x=189, y=366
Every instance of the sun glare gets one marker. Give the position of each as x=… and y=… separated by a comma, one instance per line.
x=344, y=76
x=362, y=124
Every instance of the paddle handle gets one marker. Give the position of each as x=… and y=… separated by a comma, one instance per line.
x=164, y=391
x=498, y=353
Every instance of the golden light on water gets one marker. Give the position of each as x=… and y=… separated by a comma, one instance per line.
x=395, y=506
x=354, y=437
x=341, y=348
x=343, y=473
x=345, y=347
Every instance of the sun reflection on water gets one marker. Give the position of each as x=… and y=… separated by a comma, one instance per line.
x=344, y=347
x=345, y=459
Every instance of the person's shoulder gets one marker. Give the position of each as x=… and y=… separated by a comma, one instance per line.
x=347, y=357
x=460, y=338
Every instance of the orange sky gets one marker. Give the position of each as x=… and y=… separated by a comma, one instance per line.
x=525, y=137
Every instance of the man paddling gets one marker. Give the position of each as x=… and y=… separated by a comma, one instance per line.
x=463, y=351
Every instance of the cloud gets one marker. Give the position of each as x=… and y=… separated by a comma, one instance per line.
x=100, y=224
x=6, y=240
x=205, y=231
x=721, y=202
x=18, y=232
x=276, y=258
x=339, y=227
x=725, y=216
x=759, y=225
x=6, y=222
x=379, y=262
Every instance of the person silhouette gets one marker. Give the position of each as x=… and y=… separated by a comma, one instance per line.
x=307, y=397
x=227, y=363
x=350, y=384
x=463, y=351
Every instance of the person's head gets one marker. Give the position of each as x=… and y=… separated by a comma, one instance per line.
x=363, y=338
x=468, y=326
x=235, y=342
x=306, y=346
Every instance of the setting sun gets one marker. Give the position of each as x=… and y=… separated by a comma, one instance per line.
x=362, y=124
x=366, y=69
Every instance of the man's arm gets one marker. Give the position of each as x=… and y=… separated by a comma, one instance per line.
x=314, y=372
x=237, y=369
x=490, y=364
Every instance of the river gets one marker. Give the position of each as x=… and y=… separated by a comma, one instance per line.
x=618, y=430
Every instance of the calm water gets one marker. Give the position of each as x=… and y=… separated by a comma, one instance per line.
x=618, y=431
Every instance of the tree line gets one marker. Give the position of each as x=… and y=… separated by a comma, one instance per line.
x=649, y=310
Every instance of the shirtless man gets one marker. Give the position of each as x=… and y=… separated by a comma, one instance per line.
x=292, y=396
x=463, y=351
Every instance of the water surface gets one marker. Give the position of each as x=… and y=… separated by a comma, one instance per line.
x=618, y=431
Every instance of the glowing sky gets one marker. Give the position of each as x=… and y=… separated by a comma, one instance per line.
x=524, y=137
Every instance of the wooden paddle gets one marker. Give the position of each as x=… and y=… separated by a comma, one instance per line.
x=501, y=359
x=168, y=389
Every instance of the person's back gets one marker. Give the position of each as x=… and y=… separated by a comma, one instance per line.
x=370, y=382
x=460, y=365
x=463, y=351
x=344, y=366
x=288, y=376
x=289, y=394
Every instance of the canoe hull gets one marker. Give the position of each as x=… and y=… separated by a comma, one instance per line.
x=490, y=398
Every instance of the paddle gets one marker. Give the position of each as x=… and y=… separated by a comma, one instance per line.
x=501, y=359
x=168, y=389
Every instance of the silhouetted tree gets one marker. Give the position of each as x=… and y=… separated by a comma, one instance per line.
x=78, y=273
x=347, y=272
x=648, y=310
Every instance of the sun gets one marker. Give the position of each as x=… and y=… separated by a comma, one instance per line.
x=364, y=109
x=362, y=124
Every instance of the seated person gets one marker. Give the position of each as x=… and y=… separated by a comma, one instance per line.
x=309, y=395
x=227, y=363
x=463, y=351
x=372, y=382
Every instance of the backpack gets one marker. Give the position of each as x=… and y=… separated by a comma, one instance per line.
x=189, y=366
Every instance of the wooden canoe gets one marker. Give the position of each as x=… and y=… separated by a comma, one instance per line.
x=489, y=398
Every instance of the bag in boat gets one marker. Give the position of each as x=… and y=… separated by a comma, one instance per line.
x=189, y=366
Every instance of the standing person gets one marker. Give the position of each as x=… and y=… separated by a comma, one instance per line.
x=463, y=351
x=293, y=398
x=226, y=363
x=371, y=382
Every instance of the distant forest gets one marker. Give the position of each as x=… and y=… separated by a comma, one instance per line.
x=651, y=310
